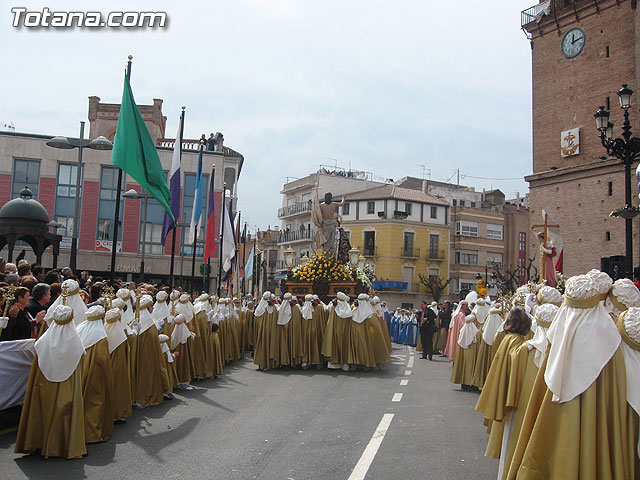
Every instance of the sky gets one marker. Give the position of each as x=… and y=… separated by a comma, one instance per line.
x=376, y=85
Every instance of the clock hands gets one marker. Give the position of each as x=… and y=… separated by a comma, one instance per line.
x=574, y=40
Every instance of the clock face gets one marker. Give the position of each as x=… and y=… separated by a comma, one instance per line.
x=573, y=42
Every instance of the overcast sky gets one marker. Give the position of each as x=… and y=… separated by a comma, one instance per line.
x=381, y=86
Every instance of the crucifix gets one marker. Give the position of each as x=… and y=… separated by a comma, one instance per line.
x=107, y=294
x=545, y=227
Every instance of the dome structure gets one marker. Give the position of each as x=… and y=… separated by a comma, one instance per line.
x=24, y=208
x=26, y=219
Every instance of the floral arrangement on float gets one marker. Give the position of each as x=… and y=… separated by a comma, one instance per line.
x=320, y=266
x=325, y=276
x=481, y=289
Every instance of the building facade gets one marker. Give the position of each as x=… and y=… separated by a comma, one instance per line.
x=297, y=228
x=402, y=233
x=582, y=52
x=50, y=173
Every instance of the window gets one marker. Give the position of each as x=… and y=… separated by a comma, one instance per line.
x=494, y=260
x=608, y=236
x=345, y=208
x=522, y=242
x=25, y=172
x=473, y=204
x=407, y=276
x=407, y=208
x=466, y=257
x=467, y=229
x=462, y=203
x=455, y=202
x=107, y=203
x=460, y=285
x=433, y=246
x=65, y=205
x=153, y=232
x=494, y=232
x=371, y=208
x=369, y=243
x=408, y=244
x=434, y=212
x=610, y=189
x=188, y=196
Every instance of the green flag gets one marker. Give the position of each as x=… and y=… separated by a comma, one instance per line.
x=135, y=153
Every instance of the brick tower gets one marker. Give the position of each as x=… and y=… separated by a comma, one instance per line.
x=582, y=53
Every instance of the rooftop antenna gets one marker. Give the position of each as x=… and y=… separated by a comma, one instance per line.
x=425, y=170
x=334, y=159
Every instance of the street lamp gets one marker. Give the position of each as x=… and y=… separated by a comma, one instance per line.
x=626, y=149
x=144, y=196
x=64, y=143
x=354, y=255
x=289, y=258
x=361, y=261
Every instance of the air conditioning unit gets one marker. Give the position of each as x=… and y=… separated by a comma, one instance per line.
x=382, y=214
x=399, y=214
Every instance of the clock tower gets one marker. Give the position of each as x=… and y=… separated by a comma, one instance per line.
x=582, y=52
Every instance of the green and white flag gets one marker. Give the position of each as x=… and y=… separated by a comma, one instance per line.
x=135, y=153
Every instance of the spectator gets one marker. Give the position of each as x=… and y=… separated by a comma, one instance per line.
x=13, y=279
x=56, y=289
x=211, y=143
x=66, y=273
x=24, y=269
x=52, y=277
x=40, y=296
x=19, y=327
x=10, y=268
x=82, y=281
x=38, y=272
x=29, y=282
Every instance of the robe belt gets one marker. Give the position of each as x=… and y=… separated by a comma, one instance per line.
x=625, y=336
x=584, y=302
x=617, y=303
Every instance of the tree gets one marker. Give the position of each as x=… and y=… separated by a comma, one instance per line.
x=435, y=284
x=531, y=265
x=508, y=277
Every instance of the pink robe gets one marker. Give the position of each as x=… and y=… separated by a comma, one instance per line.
x=550, y=268
x=452, y=340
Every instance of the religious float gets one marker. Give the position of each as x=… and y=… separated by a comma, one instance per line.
x=325, y=276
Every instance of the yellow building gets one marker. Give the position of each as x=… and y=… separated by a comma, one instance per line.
x=402, y=233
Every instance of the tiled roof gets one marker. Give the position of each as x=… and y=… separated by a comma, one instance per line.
x=396, y=193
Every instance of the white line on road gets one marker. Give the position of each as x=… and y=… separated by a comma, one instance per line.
x=362, y=467
x=407, y=372
x=404, y=382
x=410, y=364
x=397, y=397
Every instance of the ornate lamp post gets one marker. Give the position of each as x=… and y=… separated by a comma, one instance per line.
x=289, y=258
x=144, y=196
x=626, y=149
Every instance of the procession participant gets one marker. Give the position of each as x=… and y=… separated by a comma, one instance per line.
x=201, y=308
x=249, y=322
x=213, y=354
x=182, y=344
x=296, y=345
x=463, y=365
x=493, y=402
x=387, y=316
x=169, y=359
x=279, y=349
x=152, y=382
x=52, y=419
x=485, y=351
x=321, y=314
x=70, y=298
x=524, y=364
x=119, y=359
x=264, y=315
x=337, y=336
x=360, y=351
x=427, y=329
x=185, y=307
x=311, y=334
x=583, y=384
x=127, y=320
x=381, y=352
x=395, y=320
x=161, y=312
x=97, y=378
x=457, y=322
x=480, y=368
x=444, y=320
x=236, y=331
x=622, y=296
x=239, y=313
x=379, y=313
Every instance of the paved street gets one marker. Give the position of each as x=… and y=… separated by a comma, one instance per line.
x=291, y=424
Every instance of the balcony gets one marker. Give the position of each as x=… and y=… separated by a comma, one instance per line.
x=439, y=255
x=293, y=236
x=537, y=12
x=294, y=209
x=410, y=252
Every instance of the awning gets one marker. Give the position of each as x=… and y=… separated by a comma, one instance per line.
x=280, y=276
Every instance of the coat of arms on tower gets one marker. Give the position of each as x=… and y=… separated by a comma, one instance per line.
x=570, y=142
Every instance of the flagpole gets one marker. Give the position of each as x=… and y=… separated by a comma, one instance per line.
x=195, y=236
x=244, y=250
x=114, y=245
x=236, y=277
x=255, y=254
x=175, y=224
x=205, y=276
x=224, y=192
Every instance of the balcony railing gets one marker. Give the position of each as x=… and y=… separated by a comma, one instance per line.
x=294, y=209
x=296, y=236
x=436, y=254
x=410, y=252
x=536, y=12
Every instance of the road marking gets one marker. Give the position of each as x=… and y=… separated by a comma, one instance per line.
x=362, y=467
x=404, y=382
x=410, y=364
x=407, y=372
x=397, y=397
